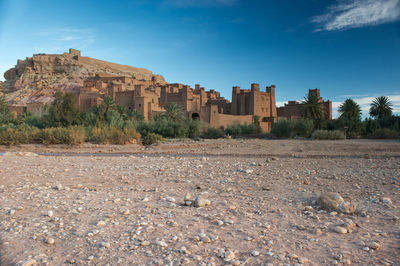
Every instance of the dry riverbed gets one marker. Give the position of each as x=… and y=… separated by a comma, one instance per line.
x=124, y=205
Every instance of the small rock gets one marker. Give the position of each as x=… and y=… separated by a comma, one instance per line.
x=373, y=245
x=50, y=241
x=201, y=202
x=340, y=230
x=255, y=253
x=270, y=254
x=50, y=213
x=187, y=197
x=387, y=201
x=229, y=256
x=105, y=244
x=29, y=262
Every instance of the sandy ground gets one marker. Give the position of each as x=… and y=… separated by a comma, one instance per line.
x=123, y=205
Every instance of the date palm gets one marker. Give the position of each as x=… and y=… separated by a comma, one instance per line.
x=349, y=109
x=312, y=107
x=381, y=107
x=174, y=112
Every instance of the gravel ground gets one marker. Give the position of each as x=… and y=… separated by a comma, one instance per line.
x=124, y=205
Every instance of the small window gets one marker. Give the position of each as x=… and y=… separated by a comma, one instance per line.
x=140, y=105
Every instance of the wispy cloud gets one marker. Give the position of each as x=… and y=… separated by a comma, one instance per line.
x=71, y=37
x=200, y=3
x=347, y=14
x=365, y=102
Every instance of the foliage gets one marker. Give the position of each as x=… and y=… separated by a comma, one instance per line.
x=113, y=135
x=63, y=112
x=23, y=134
x=349, y=110
x=213, y=133
x=303, y=127
x=328, y=135
x=381, y=107
x=385, y=133
x=313, y=108
x=351, y=126
x=5, y=114
x=173, y=112
x=256, y=123
x=282, y=129
x=194, y=127
x=151, y=138
x=62, y=135
x=241, y=129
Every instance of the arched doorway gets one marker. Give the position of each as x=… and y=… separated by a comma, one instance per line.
x=195, y=116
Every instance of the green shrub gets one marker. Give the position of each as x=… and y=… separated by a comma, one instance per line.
x=193, y=128
x=213, y=133
x=151, y=138
x=233, y=130
x=328, y=135
x=303, y=127
x=62, y=135
x=385, y=133
x=242, y=129
x=113, y=135
x=282, y=129
x=11, y=135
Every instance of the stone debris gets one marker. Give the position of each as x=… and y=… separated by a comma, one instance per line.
x=331, y=201
x=123, y=210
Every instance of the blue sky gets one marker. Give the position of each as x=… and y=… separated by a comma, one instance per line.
x=346, y=48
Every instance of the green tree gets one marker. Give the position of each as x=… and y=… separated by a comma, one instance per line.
x=312, y=107
x=256, y=122
x=105, y=106
x=349, y=109
x=63, y=112
x=136, y=115
x=5, y=114
x=174, y=112
x=381, y=107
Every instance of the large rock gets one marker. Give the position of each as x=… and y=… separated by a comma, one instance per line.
x=41, y=75
x=332, y=201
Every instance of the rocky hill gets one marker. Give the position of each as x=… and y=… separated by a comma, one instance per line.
x=37, y=78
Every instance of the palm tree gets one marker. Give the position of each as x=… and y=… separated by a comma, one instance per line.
x=106, y=105
x=136, y=115
x=174, y=112
x=381, y=107
x=312, y=107
x=349, y=109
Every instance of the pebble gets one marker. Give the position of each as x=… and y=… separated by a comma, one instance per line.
x=201, y=202
x=105, y=244
x=373, y=245
x=29, y=262
x=50, y=241
x=387, y=201
x=50, y=213
x=255, y=253
x=340, y=230
x=229, y=256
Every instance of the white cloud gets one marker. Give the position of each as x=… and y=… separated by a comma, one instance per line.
x=200, y=3
x=365, y=102
x=348, y=14
x=67, y=37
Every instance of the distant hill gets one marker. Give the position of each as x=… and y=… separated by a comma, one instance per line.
x=37, y=78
